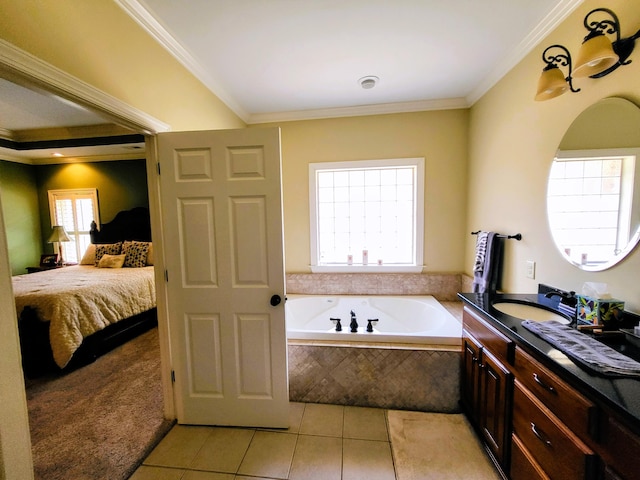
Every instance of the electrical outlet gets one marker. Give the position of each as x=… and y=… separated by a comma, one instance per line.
x=531, y=269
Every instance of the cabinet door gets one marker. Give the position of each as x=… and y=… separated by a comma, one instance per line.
x=471, y=351
x=494, y=394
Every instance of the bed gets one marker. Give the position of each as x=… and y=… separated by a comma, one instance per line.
x=69, y=316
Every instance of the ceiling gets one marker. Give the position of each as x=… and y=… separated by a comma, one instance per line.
x=38, y=127
x=276, y=60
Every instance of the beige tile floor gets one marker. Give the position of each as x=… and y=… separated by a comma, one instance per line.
x=324, y=442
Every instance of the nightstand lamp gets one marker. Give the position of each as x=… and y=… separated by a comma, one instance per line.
x=58, y=234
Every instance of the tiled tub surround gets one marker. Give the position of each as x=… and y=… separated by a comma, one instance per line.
x=403, y=377
x=443, y=286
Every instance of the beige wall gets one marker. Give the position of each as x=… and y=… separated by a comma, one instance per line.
x=97, y=42
x=439, y=137
x=511, y=144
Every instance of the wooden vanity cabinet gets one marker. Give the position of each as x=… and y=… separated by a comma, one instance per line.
x=620, y=449
x=487, y=383
x=535, y=424
x=551, y=447
x=573, y=409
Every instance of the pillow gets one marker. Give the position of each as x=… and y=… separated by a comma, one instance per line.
x=89, y=257
x=111, y=261
x=107, y=249
x=135, y=254
x=150, y=254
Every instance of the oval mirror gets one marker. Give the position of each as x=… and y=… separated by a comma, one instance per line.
x=593, y=194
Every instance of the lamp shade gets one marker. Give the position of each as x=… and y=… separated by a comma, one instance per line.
x=58, y=234
x=551, y=84
x=595, y=56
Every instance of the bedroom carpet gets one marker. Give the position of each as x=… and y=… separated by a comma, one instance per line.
x=436, y=446
x=102, y=420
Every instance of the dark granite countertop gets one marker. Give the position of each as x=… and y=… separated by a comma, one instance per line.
x=620, y=394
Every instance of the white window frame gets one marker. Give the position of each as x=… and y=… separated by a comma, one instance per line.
x=71, y=193
x=418, y=217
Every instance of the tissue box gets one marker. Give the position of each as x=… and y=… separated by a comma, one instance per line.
x=595, y=311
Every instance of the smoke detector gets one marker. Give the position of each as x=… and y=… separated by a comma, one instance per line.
x=368, y=82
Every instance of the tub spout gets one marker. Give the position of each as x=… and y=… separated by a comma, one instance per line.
x=354, y=323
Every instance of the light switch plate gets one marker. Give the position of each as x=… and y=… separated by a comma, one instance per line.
x=531, y=269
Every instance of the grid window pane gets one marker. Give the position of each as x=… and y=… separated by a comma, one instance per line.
x=583, y=201
x=367, y=208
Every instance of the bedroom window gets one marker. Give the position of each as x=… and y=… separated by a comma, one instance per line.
x=367, y=215
x=74, y=209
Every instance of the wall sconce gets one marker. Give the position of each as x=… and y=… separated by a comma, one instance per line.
x=552, y=81
x=598, y=56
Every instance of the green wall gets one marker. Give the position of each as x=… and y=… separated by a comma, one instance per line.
x=121, y=185
x=19, y=190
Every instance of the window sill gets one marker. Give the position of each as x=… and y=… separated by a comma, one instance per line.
x=365, y=269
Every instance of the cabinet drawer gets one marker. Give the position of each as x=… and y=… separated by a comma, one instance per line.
x=621, y=452
x=494, y=341
x=558, y=451
x=523, y=466
x=578, y=413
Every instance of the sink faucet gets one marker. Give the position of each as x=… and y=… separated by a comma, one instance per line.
x=354, y=323
x=568, y=298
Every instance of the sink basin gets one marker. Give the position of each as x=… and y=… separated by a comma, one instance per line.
x=527, y=311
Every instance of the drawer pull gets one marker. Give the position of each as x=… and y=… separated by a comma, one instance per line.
x=540, y=436
x=542, y=384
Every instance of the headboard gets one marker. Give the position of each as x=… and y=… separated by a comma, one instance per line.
x=131, y=224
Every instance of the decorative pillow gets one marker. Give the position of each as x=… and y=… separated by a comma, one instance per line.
x=89, y=257
x=136, y=254
x=107, y=249
x=111, y=261
x=150, y=254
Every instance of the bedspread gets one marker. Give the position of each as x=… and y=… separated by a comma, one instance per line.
x=81, y=300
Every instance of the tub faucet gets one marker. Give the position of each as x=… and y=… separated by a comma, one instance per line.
x=338, y=324
x=354, y=323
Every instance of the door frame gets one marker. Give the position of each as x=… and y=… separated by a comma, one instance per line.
x=24, y=69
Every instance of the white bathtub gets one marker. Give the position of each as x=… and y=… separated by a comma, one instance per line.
x=401, y=319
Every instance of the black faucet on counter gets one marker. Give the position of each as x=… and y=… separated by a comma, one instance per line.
x=354, y=323
x=568, y=298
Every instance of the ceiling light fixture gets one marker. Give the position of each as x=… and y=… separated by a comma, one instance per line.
x=598, y=56
x=368, y=82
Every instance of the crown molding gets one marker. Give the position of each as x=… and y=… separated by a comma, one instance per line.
x=7, y=155
x=364, y=110
x=137, y=155
x=68, y=133
x=549, y=23
x=157, y=31
x=7, y=134
x=28, y=70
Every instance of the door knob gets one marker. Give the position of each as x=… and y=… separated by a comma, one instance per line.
x=275, y=300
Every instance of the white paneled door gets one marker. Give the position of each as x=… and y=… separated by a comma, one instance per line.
x=223, y=241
